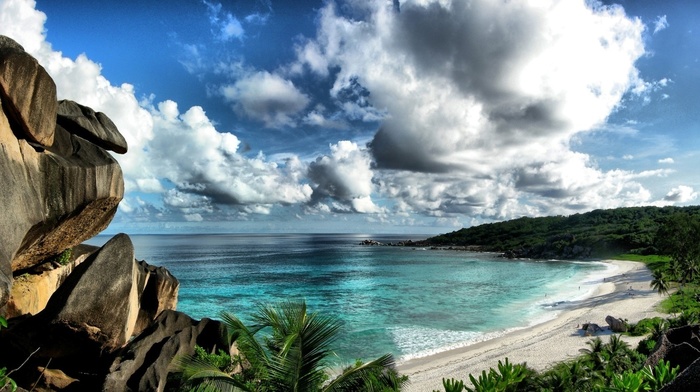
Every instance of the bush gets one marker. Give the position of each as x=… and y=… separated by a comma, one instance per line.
x=64, y=257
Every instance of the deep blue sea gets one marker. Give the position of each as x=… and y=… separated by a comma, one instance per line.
x=408, y=301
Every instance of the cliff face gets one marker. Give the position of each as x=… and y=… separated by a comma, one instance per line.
x=59, y=186
x=58, y=189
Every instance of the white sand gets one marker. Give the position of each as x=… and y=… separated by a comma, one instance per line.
x=545, y=344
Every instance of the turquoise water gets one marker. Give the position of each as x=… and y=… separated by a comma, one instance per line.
x=407, y=301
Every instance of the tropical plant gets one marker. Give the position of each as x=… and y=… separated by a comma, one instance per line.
x=659, y=375
x=627, y=382
x=507, y=378
x=452, y=385
x=595, y=354
x=660, y=282
x=679, y=237
x=291, y=356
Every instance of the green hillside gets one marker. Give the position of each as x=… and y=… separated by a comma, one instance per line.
x=594, y=234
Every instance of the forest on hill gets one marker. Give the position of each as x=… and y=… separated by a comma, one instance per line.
x=595, y=234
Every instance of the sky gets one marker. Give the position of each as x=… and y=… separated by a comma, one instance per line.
x=355, y=116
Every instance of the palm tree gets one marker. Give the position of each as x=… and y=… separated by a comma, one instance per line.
x=293, y=356
x=617, y=351
x=594, y=355
x=660, y=282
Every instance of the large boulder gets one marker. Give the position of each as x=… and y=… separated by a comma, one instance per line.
x=62, y=188
x=159, y=294
x=93, y=126
x=616, y=324
x=145, y=363
x=31, y=290
x=28, y=93
x=93, y=314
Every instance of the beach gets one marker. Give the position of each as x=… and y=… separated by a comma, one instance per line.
x=623, y=293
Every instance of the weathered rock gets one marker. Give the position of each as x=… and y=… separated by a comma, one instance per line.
x=101, y=296
x=679, y=346
x=28, y=94
x=94, y=127
x=591, y=329
x=93, y=314
x=31, y=291
x=159, y=294
x=59, y=198
x=144, y=364
x=55, y=379
x=616, y=324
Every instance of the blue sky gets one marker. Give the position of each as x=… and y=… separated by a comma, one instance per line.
x=419, y=116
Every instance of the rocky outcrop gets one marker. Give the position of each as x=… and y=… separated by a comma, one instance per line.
x=616, y=324
x=95, y=127
x=62, y=188
x=73, y=320
x=28, y=93
x=31, y=290
x=145, y=363
x=679, y=346
x=100, y=306
x=687, y=380
x=159, y=294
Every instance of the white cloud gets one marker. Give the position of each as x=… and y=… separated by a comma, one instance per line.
x=267, y=98
x=226, y=24
x=660, y=23
x=666, y=160
x=628, y=157
x=185, y=149
x=482, y=98
x=681, y=194
x=344, y=175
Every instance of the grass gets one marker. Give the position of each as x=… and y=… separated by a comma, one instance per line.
x=654, y=262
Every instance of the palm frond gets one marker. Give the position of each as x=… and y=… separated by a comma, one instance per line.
x=205, y=376
x=360, y=377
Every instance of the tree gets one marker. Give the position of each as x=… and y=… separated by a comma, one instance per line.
x=679, y=237
x=292, y=356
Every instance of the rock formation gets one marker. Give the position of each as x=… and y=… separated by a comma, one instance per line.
x=62, y=188
x=77, y=312
x=616, y=324
x=144, y=364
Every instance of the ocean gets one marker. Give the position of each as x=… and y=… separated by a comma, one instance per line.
x=407, y=301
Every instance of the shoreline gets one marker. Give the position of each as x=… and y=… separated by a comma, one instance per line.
x=623, y=293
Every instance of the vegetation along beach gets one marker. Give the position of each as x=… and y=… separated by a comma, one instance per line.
x=349, y=196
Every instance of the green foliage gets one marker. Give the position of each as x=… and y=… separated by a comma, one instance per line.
x=659, y=375
x=221, y=360
x=506, y=378
x=291, y=355
x=452, y=385
x=648, y=325
x=627, y=382
x=6, y=381
x=605, y=232
x=64, y=257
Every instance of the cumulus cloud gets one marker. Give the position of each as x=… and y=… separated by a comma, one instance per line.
x=344, y=175
x=266, y=97
x=681, y=194
x=203, y=167
x=482, y=98
x=666, y=160
x=660, y=24
x=198, y=159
